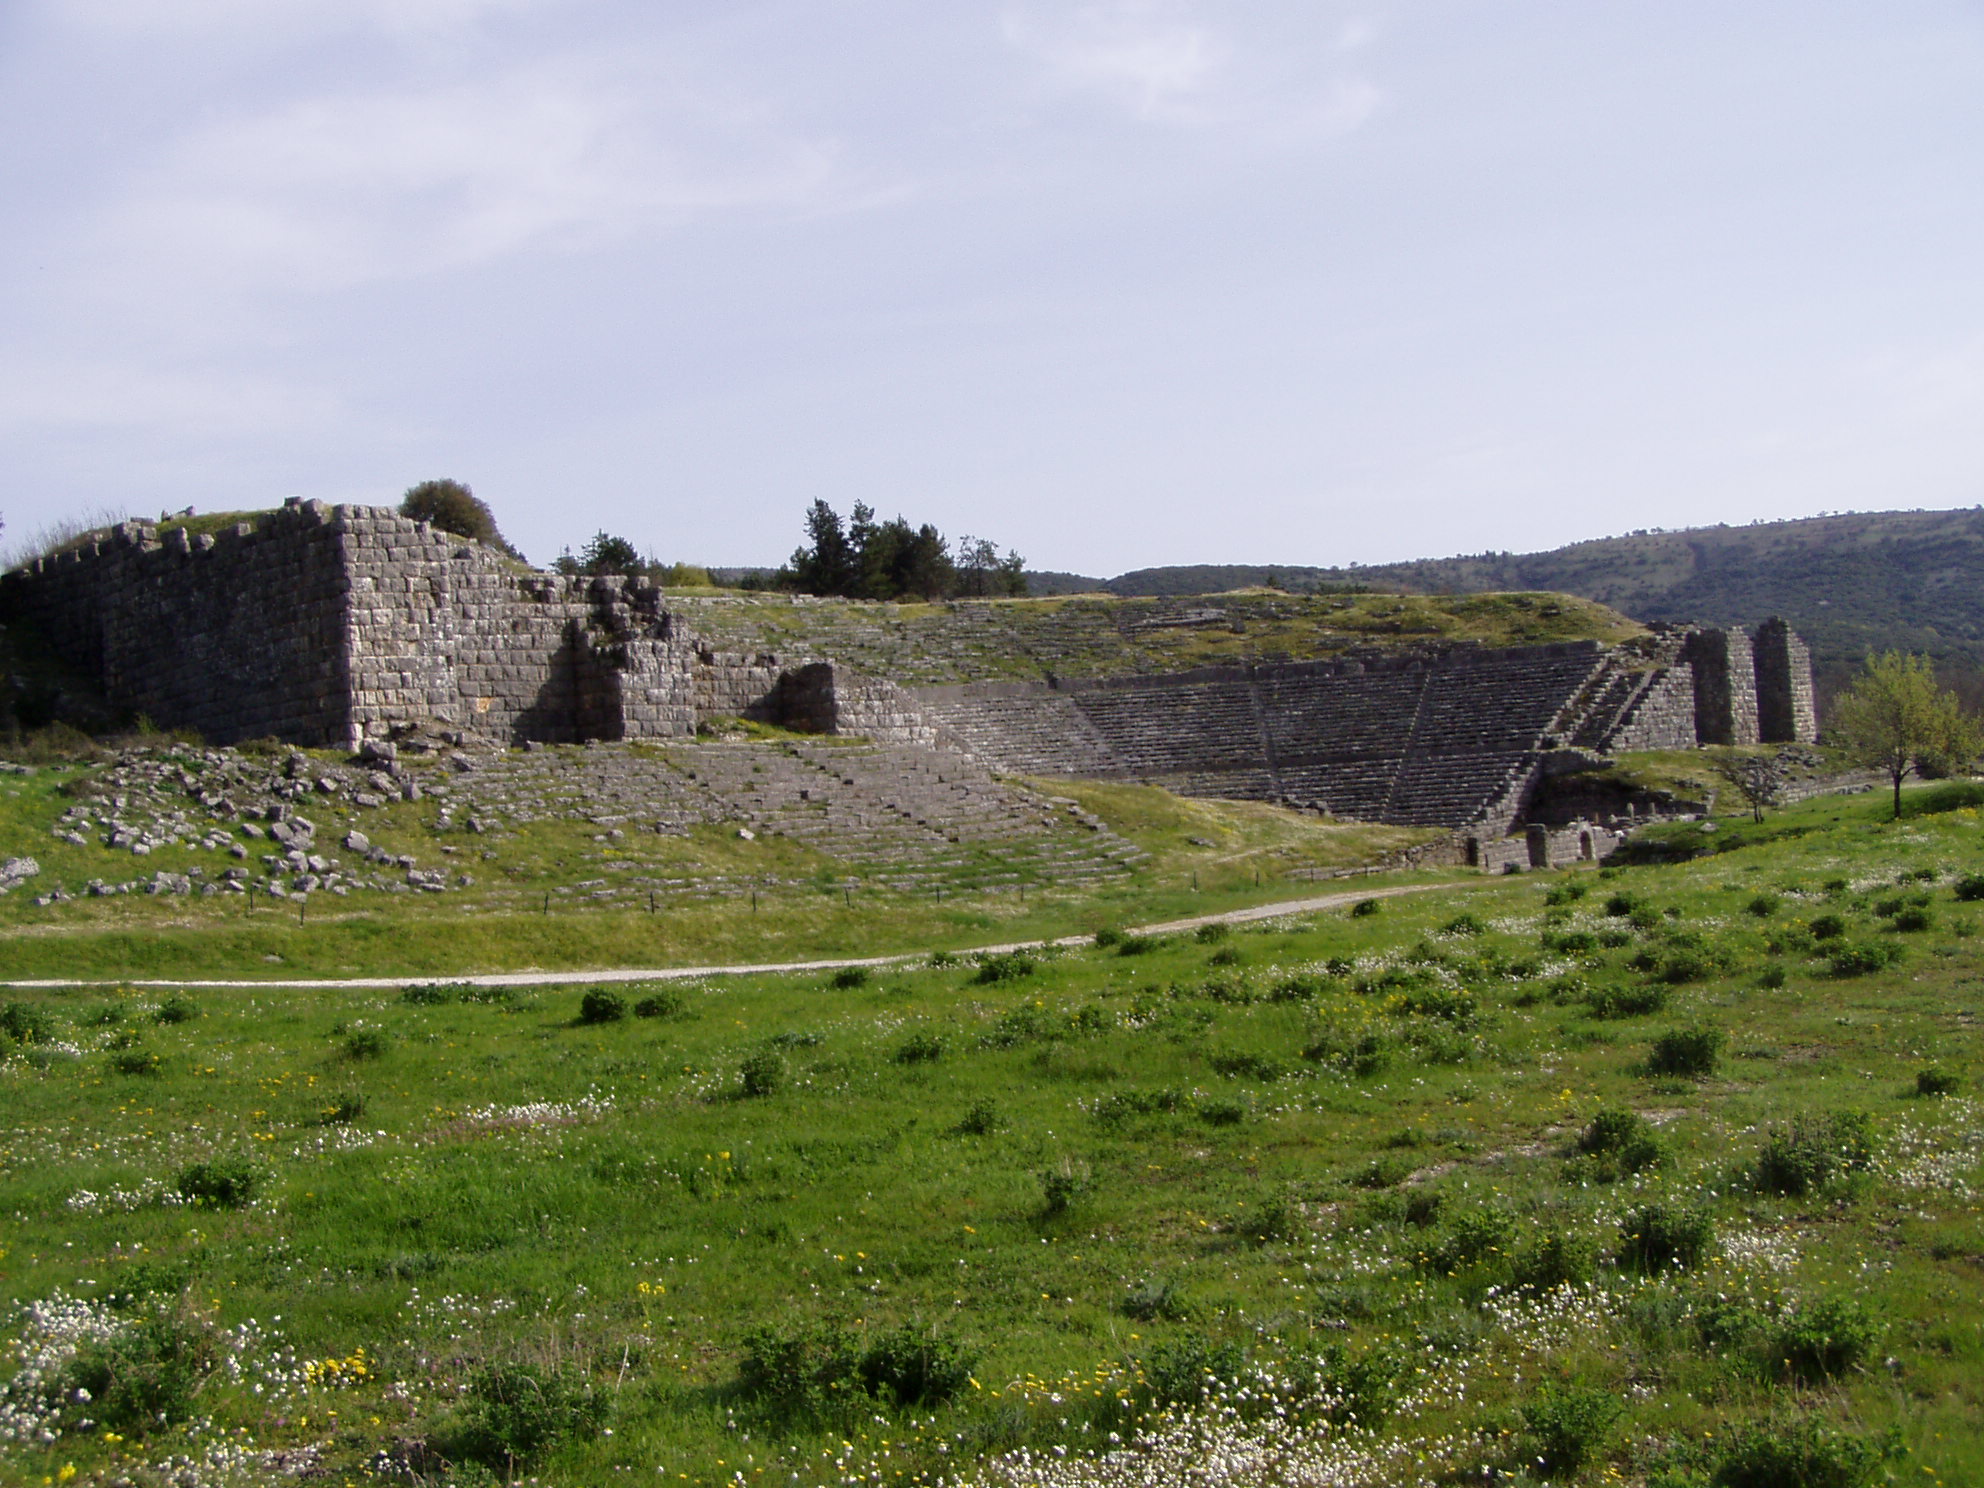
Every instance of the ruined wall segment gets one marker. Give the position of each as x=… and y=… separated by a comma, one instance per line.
x=1786, y=711
x=1725, y=686
x=239, y=634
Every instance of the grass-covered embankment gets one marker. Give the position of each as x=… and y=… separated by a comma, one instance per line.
x=1666, y=1176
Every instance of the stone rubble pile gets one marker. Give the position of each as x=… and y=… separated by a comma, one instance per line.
x=288, y=824
x=244, y=806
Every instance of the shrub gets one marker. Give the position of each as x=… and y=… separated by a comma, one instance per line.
x=1064, y=1185
x=1567, y=1426
x=798, y=1369
x=1624, y=1138
x=1301, y=986
x=1569, y=942
x=1970, y=887
x=667, y=1003
x=1914, y=917
x=25, y=1024
x=1359, y=1052
x=1384, y=1172
x=1240, y=1065
x=1860, y=958
x=1824, y=1340
x=761, y=1073
x=452, y=507
x=1796, y=1453
x=1566, y=893
x=1449, y=1003
x=136, y=1062
x=1935, y=1082
x=1828, y=927
x=1625, y=1002
x=141, y=1378
x=365, y=1043
x=1005, y=968
x=1213, y=933
x=346, y=1109
x=1274, y=1218
x=1184, y=1370
x=920, y=1048
x=1473, y=1238
x=1226, y=955
x=1621, y=904
x=1763, y=906
x=1464, y=924
x=1148, y=1301
x=602, y=1006
x=221, y=1183
x=1771, y=977
x=1137, y=945
x=514, y=1412
x=1222, y=1112
x=1364, y=907
x=850, y=977
x=981, y=1120
x=425, y=994
x=1557, y=1260
x=1812, y=1152
x=1690, y=1052
x=1665, y=1236
x=1688, y=963
x=177, y=1010
x=914, y=1366
x=1108, y=937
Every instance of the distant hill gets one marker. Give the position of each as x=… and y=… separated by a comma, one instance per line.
x=1910, y=580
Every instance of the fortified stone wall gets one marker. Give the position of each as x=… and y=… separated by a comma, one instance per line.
x=1725, y=686
x=326, y=625
x=238, y=633
x=1786, y=713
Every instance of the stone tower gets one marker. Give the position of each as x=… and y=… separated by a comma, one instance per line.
x=1785, y=711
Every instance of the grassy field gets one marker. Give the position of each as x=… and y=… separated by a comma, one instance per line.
x=1661, y=1176
x=525, y=906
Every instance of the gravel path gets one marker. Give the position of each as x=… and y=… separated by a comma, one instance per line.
x=536, y=978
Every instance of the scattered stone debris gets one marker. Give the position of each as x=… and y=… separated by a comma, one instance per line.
x=897, y=817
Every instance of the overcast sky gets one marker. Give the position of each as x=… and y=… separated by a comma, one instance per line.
x=1116, y=283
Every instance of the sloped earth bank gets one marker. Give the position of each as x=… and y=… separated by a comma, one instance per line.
x=1667, y=1177
x=615, y=975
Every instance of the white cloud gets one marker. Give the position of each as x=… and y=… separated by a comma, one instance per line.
x=60, y=394
x=282, y=18
x=1161, y=62
x=359, y=186
x=1145, y=54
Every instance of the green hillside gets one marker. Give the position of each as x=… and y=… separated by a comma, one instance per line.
x=1908, y=580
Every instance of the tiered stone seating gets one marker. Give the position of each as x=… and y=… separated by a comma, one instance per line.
x=903, y=817
x=1037, y=734
x=1176, y=728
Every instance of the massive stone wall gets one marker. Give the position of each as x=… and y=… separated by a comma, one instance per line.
x=1786, y=713
x=328, y=625
x=237, y=633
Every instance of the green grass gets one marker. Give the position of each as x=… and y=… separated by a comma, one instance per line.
x=526, y=906
x=1334, y=1154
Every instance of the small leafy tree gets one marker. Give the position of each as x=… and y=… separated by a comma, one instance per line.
x=1758, y=779
x=1897, y=719
x=862, y=558
x=606, y=554
x=453, y=507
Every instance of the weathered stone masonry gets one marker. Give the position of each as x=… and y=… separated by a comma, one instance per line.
x=327, y=625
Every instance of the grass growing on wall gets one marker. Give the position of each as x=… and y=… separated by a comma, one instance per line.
x=1665, y=1175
